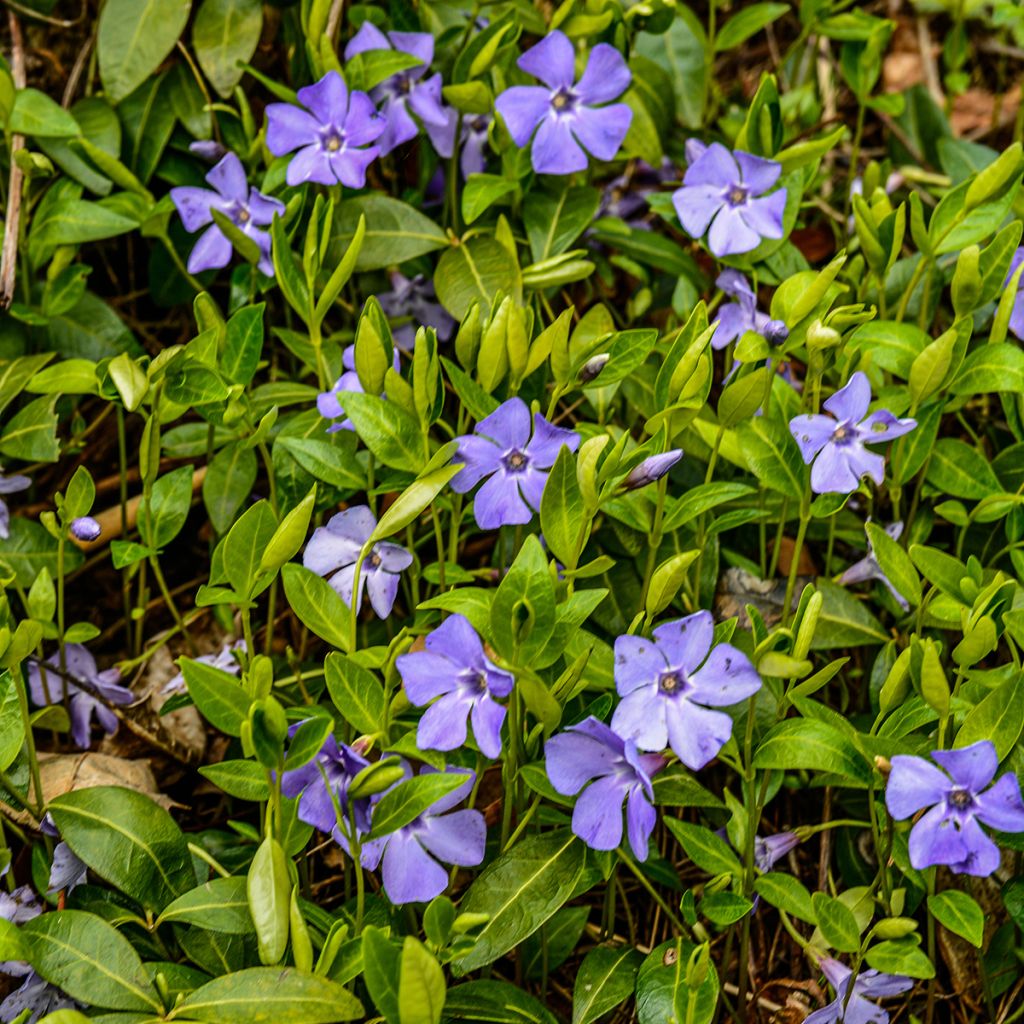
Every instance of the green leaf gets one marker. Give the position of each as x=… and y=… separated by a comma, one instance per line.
x=31, y=435
x=523, y=610
x=243, y=779
x=709, y=852
x=16, y=373
x=381, y=966
x=787, y=893
x=269, y=995
x=421, y=985
x=244, y=341
x=134, y=37
x=395, y=232
x=269, y=888
x=662, y=992
x=35, y=114
x=998, y=717
x=412, y=502
x=475, y=272
x=725, y=908
x=895, y=563
x=562, y=510
x=481, y=191
x=12, y=729
x=605, y=980
x=844, y=621
x=324, y=461
x=392, y=433
x=308, y=741
x=800, y=743
x=409, y=799
x=957, y=469
x=991, y=368
x=900, y=956
x=521, y=890
x=90, y=960
x=30, y=549
x=960, y=914
x=893, y=346
x=317, y=604
x=554, y=222
x=128, y=840
x=356, y=693
x=221, y=699
x=289, y=536
x=242, y=549
x=773, y=457
x=489, y=1001
x=82, y=221
x=224, y=36
x=836, y=922
x=163, y=516
x=220, y=905
x=228, y=483
x=747, y=22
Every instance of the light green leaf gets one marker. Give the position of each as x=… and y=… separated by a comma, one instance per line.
x=224, y=35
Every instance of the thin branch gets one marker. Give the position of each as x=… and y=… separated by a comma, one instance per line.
x=9, y=252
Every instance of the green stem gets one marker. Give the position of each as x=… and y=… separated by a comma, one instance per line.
x=794, y=565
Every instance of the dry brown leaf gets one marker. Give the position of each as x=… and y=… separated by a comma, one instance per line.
x=974, y=111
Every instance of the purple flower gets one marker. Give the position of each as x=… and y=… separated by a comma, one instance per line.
x=569, y=114
x=10, y=485
x=869, y=569
x=330, y=772
x=86, y=528
x=406, y=91
x=85, y=703
x=19, y=906
x=726, y=191
x=590, y=750
x=246, y=208
x=66, y=871
x=769, y=850
x=332, y=135
x=666, y=687
x=836, y=445
x=855, y=1007
x=455, y=668
x=949, y=832
x=473, y=139
x=224, y=659
x=335, y=548
x=415, y=298
x=736, y=318
x=1017, y=313
x=207, y=149
x=652, y=469
x=410, y=870
x=327, y=401
x=37, y=995
x=516, y=463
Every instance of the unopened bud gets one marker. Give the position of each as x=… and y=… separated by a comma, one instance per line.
x=775, y=332
x=593, y=366
x=86, y=528
x=820, y=336
x=652, y=469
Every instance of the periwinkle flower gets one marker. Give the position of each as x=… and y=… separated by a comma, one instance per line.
x=836, y=444
x=224, y=659
x=19, y=905
x=575, y=118
x=869, y=569
x=652, y=469
x=330, y=772
x=36, y=995
x=85, y=703
x=248, y=209
x=10, y=485
x=208, y=149
x=515, y=463
x=85, y=528
x=415, y=298
x=742, y=315
x=334, y=549
x=454, y=667
x=473, y=140
x=726, y=192
x=405, y=92
x=327, y=402
x=1017, y=313
x=670, y=685
x=67, y=871
x=409, y=857
x=769, y=850
x=332, y=135
x=856, y=1007
x=591, y=751
x=958, y=799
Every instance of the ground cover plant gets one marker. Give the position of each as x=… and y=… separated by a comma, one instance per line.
x=512, y=512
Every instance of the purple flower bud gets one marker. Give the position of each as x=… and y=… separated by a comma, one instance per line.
x=652, y=469
x=208, y=149
x=86, y=528
x=775, y=332
x=593, y=366
x=768, y=850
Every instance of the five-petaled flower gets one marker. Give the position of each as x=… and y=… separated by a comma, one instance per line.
x=454, y=667
x=332, y=135
x=869, y=569
x=410, y=869
x=405, y=91
x=335, y=548
x=569, y=113
x=726, y=191
x=1017, y=312
x=670, y=685
x=855, y=1007
x=836, y=444
x=328, y=403
x=958, y=799
x=591, y=751
x=246, y=208
x=742, y=315
x=516, y=464
x=325, y=780
x=46, y=684
x=224, y=659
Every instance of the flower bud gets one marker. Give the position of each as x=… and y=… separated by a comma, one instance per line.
x=895, y=927
x=775, y=332
x=593, y=366
x=652, y=469
x=86, y=528
x=819, y=336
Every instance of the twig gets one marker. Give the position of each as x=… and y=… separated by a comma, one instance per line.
x=9, y=253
